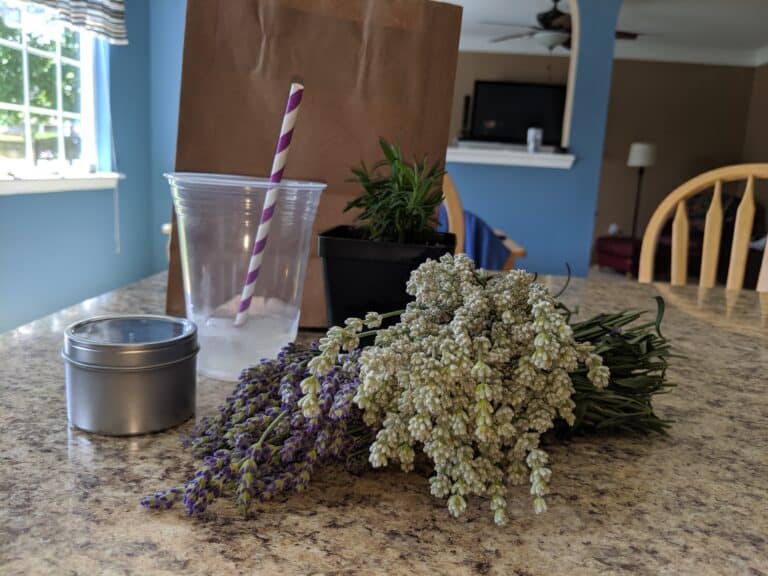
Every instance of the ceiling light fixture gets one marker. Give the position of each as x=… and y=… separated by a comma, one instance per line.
x=550, y=39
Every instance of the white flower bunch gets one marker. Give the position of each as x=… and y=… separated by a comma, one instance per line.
x=474, y=373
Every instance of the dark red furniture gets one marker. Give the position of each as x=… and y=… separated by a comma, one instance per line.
x=617, y=252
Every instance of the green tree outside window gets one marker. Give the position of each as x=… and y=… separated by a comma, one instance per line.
x=41, y=33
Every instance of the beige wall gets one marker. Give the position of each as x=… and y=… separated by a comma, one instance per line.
x=515, y=67
x=756, y=136
x=697, y=116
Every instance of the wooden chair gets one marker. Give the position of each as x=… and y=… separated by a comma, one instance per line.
x=713, y=228
x=455, y=213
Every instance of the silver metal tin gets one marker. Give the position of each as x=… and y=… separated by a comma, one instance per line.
x=130, y=375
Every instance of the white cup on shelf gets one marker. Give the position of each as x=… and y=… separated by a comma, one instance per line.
x=535, y=136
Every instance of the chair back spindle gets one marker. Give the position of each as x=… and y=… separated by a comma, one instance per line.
x=713, y=232
x=679, y=272
x=742, y=231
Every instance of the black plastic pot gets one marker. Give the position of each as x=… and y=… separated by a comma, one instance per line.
x=363, y=275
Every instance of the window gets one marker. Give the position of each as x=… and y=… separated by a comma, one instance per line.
x=46, y=94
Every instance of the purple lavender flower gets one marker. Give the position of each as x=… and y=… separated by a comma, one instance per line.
x=260, y=453
x=289, y=448
x=259, y=445
x=342, y=405
x=321, y=442
x=247, y=484
x=162, y=499
x=198, y=491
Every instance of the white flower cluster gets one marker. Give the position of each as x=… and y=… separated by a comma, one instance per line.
x=336, y=340
x=474, y=373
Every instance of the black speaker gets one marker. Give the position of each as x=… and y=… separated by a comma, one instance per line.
x=465, y=119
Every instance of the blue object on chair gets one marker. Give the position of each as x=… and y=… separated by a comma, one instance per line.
x=480, y=242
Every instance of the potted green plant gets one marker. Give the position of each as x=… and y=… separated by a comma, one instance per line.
x=367, y=266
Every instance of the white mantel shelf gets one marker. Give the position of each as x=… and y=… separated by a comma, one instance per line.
x=508, y=156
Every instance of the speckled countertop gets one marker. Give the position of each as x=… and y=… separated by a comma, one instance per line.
x=695, y=502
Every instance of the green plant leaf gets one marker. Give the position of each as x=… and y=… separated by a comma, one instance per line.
x=400, y=204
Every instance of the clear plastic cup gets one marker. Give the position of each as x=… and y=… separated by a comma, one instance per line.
x=218, y=215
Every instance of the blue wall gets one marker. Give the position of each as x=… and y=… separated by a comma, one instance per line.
x=167, y=43
x=57, y=249
x=551, y=212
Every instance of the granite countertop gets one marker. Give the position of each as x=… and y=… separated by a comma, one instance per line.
x=690, y=503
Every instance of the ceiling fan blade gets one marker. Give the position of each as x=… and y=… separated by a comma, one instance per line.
x=510, y=37
x=625, y=35
x=511, y=24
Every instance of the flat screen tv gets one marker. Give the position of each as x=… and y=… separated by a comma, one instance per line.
x=503, y=111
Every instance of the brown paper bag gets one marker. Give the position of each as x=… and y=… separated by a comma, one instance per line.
x=370, y=68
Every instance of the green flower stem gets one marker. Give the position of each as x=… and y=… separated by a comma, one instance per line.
x=265, y=434
x=271, y=427
x=383, y=317
x=637, y=356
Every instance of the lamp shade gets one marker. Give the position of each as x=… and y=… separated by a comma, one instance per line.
x=641, y=155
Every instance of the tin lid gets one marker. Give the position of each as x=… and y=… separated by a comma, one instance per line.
x=134, y=341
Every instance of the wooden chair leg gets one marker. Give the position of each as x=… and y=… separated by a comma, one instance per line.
x=515, y=250
x=510, y=263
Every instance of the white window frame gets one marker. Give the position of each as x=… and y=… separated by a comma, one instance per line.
x=27, y=176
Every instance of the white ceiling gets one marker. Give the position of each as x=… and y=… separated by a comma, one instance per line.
x=708, y=31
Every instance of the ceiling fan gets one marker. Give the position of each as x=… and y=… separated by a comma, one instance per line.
x=554, y=29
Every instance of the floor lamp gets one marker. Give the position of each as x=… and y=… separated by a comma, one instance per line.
x=642, y=155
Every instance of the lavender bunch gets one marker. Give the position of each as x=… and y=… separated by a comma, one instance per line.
x=260, y=444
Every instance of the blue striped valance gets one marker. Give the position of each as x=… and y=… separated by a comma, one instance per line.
x=105, y=18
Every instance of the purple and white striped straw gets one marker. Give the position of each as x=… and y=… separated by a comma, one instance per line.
x=278, y=165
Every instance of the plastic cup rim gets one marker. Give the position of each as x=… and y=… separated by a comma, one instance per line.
x=236, y=181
